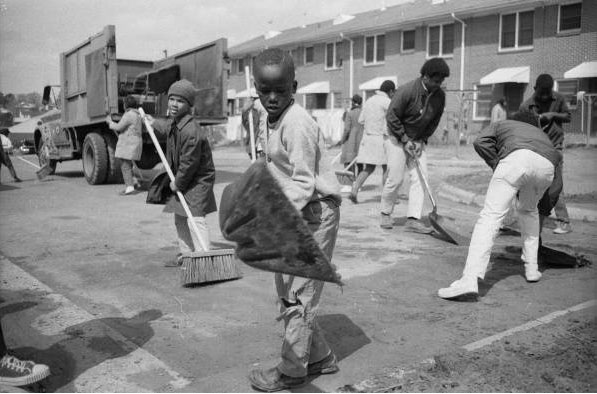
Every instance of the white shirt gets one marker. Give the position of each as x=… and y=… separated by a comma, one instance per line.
x=373, y=114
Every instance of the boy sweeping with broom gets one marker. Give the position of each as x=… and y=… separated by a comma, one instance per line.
x=294, y=156
x=189, y=156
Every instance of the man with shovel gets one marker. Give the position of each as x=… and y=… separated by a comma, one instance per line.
x=523, y=161
x=414, y=113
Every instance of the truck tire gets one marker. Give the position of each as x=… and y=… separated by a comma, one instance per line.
x=95, y=159
x=114, y=172
x=43, y=155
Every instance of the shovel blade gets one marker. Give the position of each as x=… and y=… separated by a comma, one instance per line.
x=440, y=225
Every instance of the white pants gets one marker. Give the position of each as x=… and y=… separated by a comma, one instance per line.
x=187, y=240
x=528, y=174
x=398, y=163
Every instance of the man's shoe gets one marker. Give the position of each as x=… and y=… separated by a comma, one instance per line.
x=386, y=221
x=15, y=372
x=17, y=180
x=270, y=380
x=176, y=262
x=353, y=198
x=416, y=226
x=459, y=288
x=531, y=273
x=326, y=366
x=128, y=191
x=562, y=228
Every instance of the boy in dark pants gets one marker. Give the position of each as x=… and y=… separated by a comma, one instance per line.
x=189, y=156
x=295, y=156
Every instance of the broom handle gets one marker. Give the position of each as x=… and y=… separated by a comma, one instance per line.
x=171, y=175
x=251, y=128
x=424, y=181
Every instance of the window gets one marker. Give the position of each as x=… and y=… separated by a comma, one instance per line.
x=482, y=102
x=309, y=55
x=440, y=40
x=338, y=104
x=516, y=30
x=333, y=57
x=568, y=88
x=240, y=66
x=408, y=40
x=375, y=49
x=569, y=17
x=316, y=100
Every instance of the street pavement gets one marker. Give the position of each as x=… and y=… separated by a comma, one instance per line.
x=84, y=289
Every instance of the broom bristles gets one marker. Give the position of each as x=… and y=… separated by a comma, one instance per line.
x=209, y=266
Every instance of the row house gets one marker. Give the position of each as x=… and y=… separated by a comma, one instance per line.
x=495, y=48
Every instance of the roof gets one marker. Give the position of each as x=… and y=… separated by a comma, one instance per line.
x=406, y=15
x=507, y=74
x=583, y=70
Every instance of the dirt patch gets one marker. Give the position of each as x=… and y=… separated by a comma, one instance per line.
x=545, y=359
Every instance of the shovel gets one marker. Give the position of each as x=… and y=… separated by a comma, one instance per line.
x=436, y=220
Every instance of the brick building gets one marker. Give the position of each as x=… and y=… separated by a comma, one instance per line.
x=507, y=44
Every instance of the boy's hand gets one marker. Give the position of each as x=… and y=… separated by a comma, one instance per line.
x=414, y=148
x=108, y=119
x=150, y=119
x=173, y=187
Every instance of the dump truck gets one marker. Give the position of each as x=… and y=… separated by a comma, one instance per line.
x=94, y=83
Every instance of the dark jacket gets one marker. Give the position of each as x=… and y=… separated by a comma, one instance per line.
x=499, y=139
x=189, y=155
x=554, y=129
x=415, y=113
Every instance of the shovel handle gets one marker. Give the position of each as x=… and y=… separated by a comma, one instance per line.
x=171, y=176
x=424, y=182
x=251, y=127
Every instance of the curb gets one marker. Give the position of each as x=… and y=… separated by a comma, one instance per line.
x=462, y=196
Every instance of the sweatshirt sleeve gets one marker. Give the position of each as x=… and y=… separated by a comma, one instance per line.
x=123, y=123
x=301, y=146
x=485, y=146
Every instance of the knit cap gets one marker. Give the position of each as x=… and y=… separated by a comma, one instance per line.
x=184, y=89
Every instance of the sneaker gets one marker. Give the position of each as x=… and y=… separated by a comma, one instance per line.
x=270, y=380
x=128, y=191
x=386, y=221
x=562, y=228
x=18, y=180
x=531, y=273
x=353, y=198
x=459, y=288
x=176, y=262
x=346, y=189
x=416, y=226
x=15, y=372
x=326, y=366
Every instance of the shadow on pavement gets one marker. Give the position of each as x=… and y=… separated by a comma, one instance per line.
x=88, y=345
x=343, y=336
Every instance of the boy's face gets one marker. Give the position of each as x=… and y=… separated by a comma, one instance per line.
x=433, y=83
x=275, y=88
x=178, y=107
x=543, y=94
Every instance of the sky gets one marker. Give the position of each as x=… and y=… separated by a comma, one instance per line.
x=33, y=33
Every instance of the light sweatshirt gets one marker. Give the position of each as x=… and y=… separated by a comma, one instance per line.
x=297, y=158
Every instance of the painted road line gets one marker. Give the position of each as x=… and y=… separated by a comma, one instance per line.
x=28, y=162
x=527, y=326
x=54, y=314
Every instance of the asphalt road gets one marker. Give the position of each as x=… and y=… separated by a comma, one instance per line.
x=84, y=290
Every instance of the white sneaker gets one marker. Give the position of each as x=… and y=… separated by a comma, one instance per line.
x=562, y=228
x=531, y=273
x=346, y=189
x=463, y=286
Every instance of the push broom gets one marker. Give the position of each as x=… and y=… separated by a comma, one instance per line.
x=201, y=266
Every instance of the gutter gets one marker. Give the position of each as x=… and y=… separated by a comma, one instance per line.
x=351, y=65
x=461, y=51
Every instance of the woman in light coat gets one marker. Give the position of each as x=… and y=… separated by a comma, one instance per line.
x=130, y=144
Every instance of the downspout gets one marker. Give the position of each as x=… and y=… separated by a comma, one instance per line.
x=461, y=51
x=350, y=68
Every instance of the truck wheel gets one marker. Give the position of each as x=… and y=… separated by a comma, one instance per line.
x=114, y=173
x=43, y=155
x=95, y=159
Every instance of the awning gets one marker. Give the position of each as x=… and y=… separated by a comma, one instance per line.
x=375, y=83
x=245, y=93
x=315, y=87
x=507, y=74
x=583, y=70
x=231, y=94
